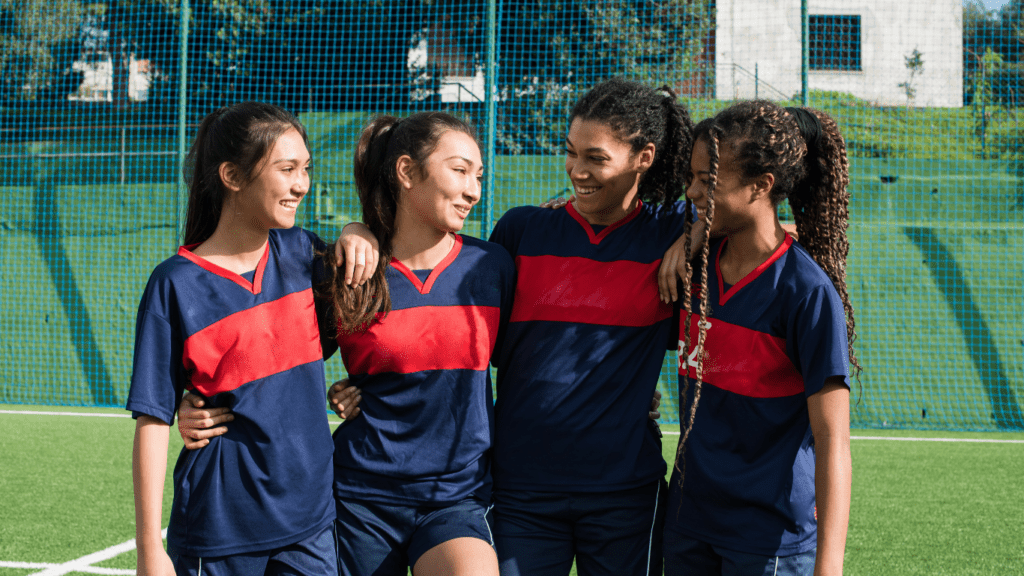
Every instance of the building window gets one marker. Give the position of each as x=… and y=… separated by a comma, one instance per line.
x=834, y=42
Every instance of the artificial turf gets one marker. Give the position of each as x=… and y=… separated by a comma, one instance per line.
x=950, y=508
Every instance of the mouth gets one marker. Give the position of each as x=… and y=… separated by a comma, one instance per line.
x=585, y=190
x=290, y=205
x=462, y=211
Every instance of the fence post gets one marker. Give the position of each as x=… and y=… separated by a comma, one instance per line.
x=805, y=52
x=182, y=195
x=490, y=123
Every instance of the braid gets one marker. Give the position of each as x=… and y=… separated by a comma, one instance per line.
x=702, y=326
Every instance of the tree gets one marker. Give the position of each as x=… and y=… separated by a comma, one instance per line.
x=38, y=45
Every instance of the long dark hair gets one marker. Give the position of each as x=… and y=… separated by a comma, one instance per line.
x=381, y=144
x=242, y=134
x=640, y=115
x=804, y=151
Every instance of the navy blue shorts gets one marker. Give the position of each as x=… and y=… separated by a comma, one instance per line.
x=685, y=556
x=608, y=533
x=383, y=539
x=314, y=556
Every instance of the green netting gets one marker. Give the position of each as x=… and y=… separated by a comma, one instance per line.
x=94, y=111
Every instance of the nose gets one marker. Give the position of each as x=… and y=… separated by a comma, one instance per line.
x=474, y=190
x=575, y=171
x=301, y=185
x=694, y=191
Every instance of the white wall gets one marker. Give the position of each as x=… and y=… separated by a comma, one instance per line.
x=766, y=34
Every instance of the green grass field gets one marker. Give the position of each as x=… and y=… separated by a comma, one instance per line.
x=919, y=507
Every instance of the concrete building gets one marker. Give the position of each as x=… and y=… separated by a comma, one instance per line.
x=856, y=46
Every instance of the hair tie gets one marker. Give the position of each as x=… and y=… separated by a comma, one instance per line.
x=810, y=127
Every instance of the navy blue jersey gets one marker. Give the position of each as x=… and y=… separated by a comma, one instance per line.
x=424, y=434
x=772, y=340
x=254, y=347
x=583, y=350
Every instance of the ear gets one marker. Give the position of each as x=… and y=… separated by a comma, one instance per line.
x=404, y=168
x=230, y=176
x=645, y=158
x=762, y=186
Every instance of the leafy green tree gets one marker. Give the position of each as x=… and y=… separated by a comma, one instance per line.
x=38, y=44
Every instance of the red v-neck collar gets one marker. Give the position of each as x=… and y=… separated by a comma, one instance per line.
x=257, y=280
x=424, y=287
x=724, y=296
x=596, y=238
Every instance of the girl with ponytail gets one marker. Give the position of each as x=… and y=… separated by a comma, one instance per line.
x=413, y=475
x=577, y=464
x=765, y=350
x=231, y=318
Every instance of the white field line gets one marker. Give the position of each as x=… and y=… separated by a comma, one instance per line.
x=92, y=414
x=336, y=422
x=83, y=564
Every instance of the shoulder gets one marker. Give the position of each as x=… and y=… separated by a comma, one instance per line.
x=491, y=252
x=804, y=273
x=521, y=216
x=164, y=283
x=296, y=238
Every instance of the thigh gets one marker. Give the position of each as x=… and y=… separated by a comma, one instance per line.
x=316, y=555
x=741, y=564
x=465, y=556
x=620, y=533
x=371, y=539
x=434, y=527
x=532, y=533
x=253, y=563
x=686, y=556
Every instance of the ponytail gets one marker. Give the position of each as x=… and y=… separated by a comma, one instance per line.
x=665, y=180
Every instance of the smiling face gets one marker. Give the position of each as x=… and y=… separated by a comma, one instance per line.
x=604, y=170
x=273, y=197
x=736, y=201
x=443, y=190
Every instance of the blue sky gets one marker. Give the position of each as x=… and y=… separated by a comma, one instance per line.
x=994, y=4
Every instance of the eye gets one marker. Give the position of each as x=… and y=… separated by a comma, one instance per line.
x=570, y=153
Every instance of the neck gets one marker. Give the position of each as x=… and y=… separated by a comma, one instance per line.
x=237, y=244
x=417, y=244
x=750, y=247
x=614, y=213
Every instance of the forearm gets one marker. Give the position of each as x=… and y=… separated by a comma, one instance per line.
x=149, y=467
x=832, y=484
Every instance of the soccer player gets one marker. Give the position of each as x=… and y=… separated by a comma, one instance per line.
x=413, y=476
x=231, y=316
x=578, y=470
x=762, y=477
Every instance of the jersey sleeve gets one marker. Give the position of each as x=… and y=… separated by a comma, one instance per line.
x=508, y=232
x=324, y=306
x=820, y=344
x=158, y=375
x=508, y=289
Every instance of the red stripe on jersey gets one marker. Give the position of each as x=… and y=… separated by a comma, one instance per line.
x=741, y=360
x=752, y=275
x=424, y=287
x=584, y=291
x=423, y=338
x=257, y=280
x=596, y=238
x=252, y=344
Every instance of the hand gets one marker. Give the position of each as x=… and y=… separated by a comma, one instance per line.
x=559, y=202
x=154, y=563
x=197, y=426
x=655, y=402
x=358, y=250
x=344, y=399
x=673, y=266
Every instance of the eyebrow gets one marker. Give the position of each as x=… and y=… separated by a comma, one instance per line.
x=282, y=160
x=592, y=149
x=463, y=158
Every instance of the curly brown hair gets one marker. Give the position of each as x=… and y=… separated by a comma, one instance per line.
x=805, y=153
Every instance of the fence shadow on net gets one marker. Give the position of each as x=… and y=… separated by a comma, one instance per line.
x=981, y=345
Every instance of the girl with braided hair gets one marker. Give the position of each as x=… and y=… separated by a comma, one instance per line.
x=765, y=343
